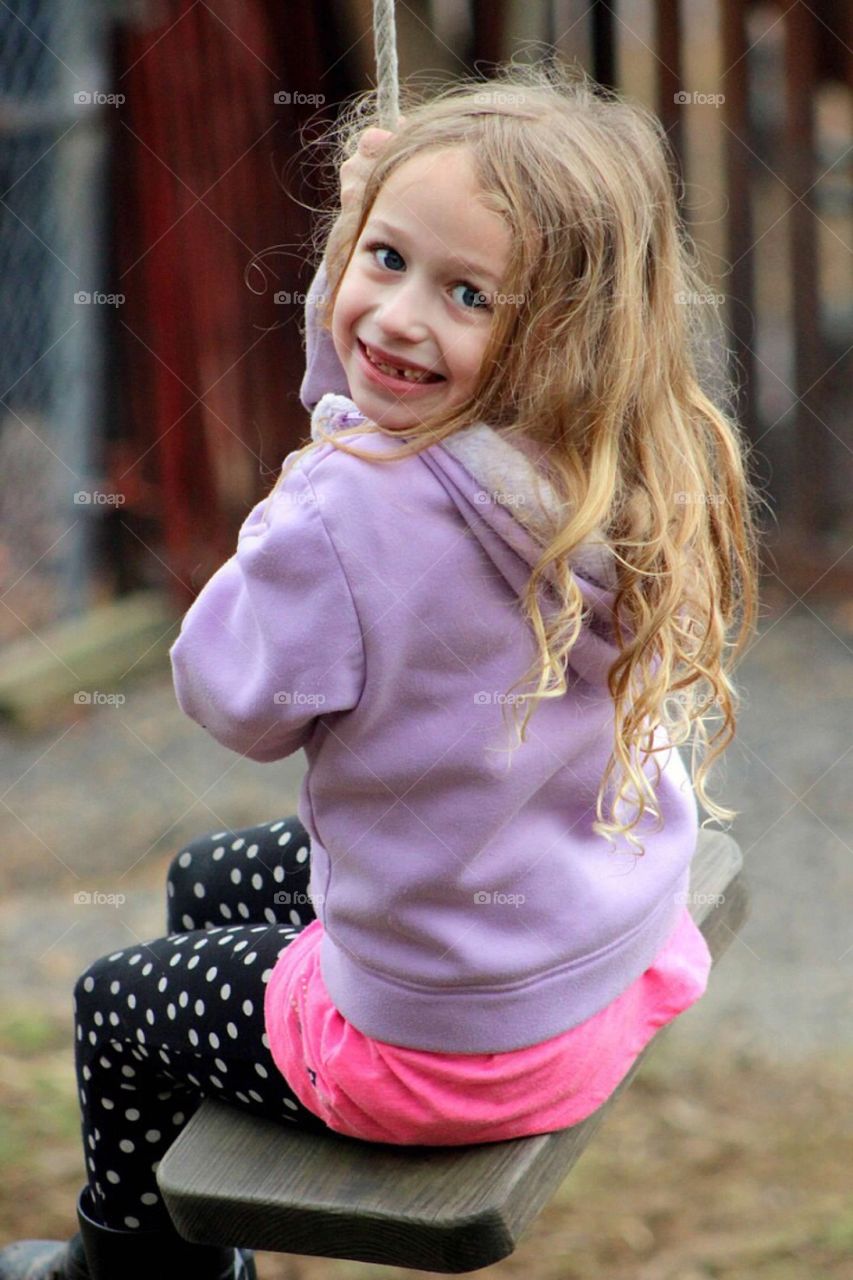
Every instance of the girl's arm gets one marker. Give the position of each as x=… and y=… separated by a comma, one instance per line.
x=323, y=370
x=273, y=641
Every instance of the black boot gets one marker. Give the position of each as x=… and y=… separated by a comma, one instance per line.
x=102, y=1253
x=155, y=1255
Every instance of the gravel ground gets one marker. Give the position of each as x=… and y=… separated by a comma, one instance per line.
x=100, y=804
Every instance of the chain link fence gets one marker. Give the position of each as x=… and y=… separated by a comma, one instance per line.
x=53, y=140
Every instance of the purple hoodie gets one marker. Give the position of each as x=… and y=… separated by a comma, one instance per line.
x=371, y=616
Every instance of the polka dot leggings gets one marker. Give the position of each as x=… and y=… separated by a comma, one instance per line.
x=161, y=1025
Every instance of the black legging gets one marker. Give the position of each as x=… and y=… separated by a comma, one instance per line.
x=163, y=1024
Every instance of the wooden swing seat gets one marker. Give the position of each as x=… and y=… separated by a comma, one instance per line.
x=233, y=1179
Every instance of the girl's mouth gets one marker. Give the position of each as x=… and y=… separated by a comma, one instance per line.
x=401, y=380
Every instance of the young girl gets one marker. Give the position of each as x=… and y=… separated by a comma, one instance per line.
x=460, y=938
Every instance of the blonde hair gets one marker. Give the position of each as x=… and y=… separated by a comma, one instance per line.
x=595, y=358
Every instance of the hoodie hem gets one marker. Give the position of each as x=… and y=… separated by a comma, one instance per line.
x=477, y=1020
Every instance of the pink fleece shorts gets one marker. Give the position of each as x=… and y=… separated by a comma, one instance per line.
x=381, y=1092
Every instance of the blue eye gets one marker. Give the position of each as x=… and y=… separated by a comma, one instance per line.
x=383, y=248
x=474, y=299
x=478, y=300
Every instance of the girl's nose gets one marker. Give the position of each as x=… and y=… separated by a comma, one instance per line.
x=403, y=312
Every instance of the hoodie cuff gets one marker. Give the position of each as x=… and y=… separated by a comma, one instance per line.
x=323, y=370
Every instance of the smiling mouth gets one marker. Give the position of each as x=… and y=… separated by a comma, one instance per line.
x=394, y=371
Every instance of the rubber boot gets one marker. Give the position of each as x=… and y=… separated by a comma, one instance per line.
x=102, y=1253
x=155, y=1255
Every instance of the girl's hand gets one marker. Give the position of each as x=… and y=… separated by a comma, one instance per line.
x=354, y=175
x=356, y=170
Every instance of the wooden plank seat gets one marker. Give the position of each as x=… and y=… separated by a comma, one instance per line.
x=234, y=1179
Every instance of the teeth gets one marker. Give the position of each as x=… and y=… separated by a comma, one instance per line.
x=409, y=375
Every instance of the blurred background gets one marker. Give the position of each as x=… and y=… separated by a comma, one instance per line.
x=156, y=197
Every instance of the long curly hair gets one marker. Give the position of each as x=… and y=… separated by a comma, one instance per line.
x=598, y=346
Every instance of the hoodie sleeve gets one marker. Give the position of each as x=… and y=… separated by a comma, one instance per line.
x=272, y=642
x=323, y=370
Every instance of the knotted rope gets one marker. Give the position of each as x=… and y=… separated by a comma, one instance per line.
x=385, y=45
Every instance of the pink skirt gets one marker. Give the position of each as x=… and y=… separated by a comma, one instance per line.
x=382, y=1092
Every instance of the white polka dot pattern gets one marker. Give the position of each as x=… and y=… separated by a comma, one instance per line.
x=188, y=1010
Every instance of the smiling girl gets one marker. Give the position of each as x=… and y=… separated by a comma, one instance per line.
x=512, y=465
x=413, y=314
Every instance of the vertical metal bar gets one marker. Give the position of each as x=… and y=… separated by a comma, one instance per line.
x=667, y=37
x=80, y=350
x=812, y=437
x=739, y=222
x=488, y=24
x=550, y=35
x=602, y=18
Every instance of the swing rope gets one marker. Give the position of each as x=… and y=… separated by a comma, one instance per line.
x=385, y=45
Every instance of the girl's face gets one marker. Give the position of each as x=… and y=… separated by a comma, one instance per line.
x=416, y=294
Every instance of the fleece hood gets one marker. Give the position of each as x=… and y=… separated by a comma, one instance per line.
x=510, y=510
